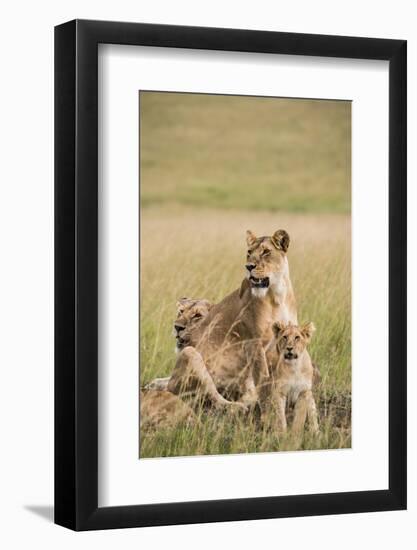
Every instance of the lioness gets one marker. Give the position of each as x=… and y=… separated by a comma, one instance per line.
x=189, y=312
x=225, y=358
x=292, y=376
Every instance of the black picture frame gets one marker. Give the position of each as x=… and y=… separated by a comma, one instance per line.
x=76, y=273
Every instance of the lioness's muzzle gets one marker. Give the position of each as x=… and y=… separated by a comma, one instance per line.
x=181, y=342
x=259, y=283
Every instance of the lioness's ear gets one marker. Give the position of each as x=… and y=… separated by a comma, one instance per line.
x=308, y=330
x=277, y=328
x=181, y=302
x=250, y=238
x=281, y=240
x=208, y=304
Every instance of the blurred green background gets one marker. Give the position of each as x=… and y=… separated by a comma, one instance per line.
x=245, y=152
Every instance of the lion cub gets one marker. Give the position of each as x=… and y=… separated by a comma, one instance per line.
x=292, y=376
x=162, y=409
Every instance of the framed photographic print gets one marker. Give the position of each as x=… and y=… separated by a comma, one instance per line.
x=230, y=252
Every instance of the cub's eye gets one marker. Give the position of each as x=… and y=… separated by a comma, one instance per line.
x=197, y=316
x=285, y=338
x=296, y=338
x=266, y=252
x=248, y=253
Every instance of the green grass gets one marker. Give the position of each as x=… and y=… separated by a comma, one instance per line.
x=245, y=153
x=222, y=435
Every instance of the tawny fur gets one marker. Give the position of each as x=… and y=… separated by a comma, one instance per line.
x=228, y=358
x=190, y=311
x=292, y=377
x=162, y=409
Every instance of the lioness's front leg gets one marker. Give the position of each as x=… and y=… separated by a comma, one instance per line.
x=190, y=379
x=273, y=411
x=249, y=393
x=256, y=357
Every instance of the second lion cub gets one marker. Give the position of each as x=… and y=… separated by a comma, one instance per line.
x=292, y=376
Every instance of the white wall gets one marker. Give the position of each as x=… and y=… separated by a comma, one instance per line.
x=26, y=286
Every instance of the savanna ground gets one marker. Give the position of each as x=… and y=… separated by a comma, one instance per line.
x=212, y=167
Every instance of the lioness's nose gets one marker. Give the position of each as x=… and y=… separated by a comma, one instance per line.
x=178, y=328
x=249, y=267
x=289, y=348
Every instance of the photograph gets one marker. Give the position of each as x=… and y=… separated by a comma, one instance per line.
x=245, y=274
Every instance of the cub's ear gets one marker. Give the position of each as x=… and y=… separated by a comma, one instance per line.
x=208, y=304
x=250, y=238
x=281, y=240
x=308, y=330
x=277, y=328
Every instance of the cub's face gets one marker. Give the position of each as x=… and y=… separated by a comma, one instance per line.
x=291, y=341
x=266, y=260
x=189, y=313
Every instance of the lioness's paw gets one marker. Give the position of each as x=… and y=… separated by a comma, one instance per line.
x=159, y=384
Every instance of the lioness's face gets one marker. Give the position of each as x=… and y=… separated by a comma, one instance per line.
x=266, y=259
x=189, y=313
x=291, y=341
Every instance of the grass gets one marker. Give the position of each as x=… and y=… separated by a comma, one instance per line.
x=212, y=167
x=201, y=254
x=223, y=435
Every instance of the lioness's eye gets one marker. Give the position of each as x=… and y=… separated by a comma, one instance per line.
x=197, y=316
x=285, y=338
x=266, y=252
x=297, y=338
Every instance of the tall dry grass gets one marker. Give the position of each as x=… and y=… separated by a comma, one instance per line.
x=202, y=254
